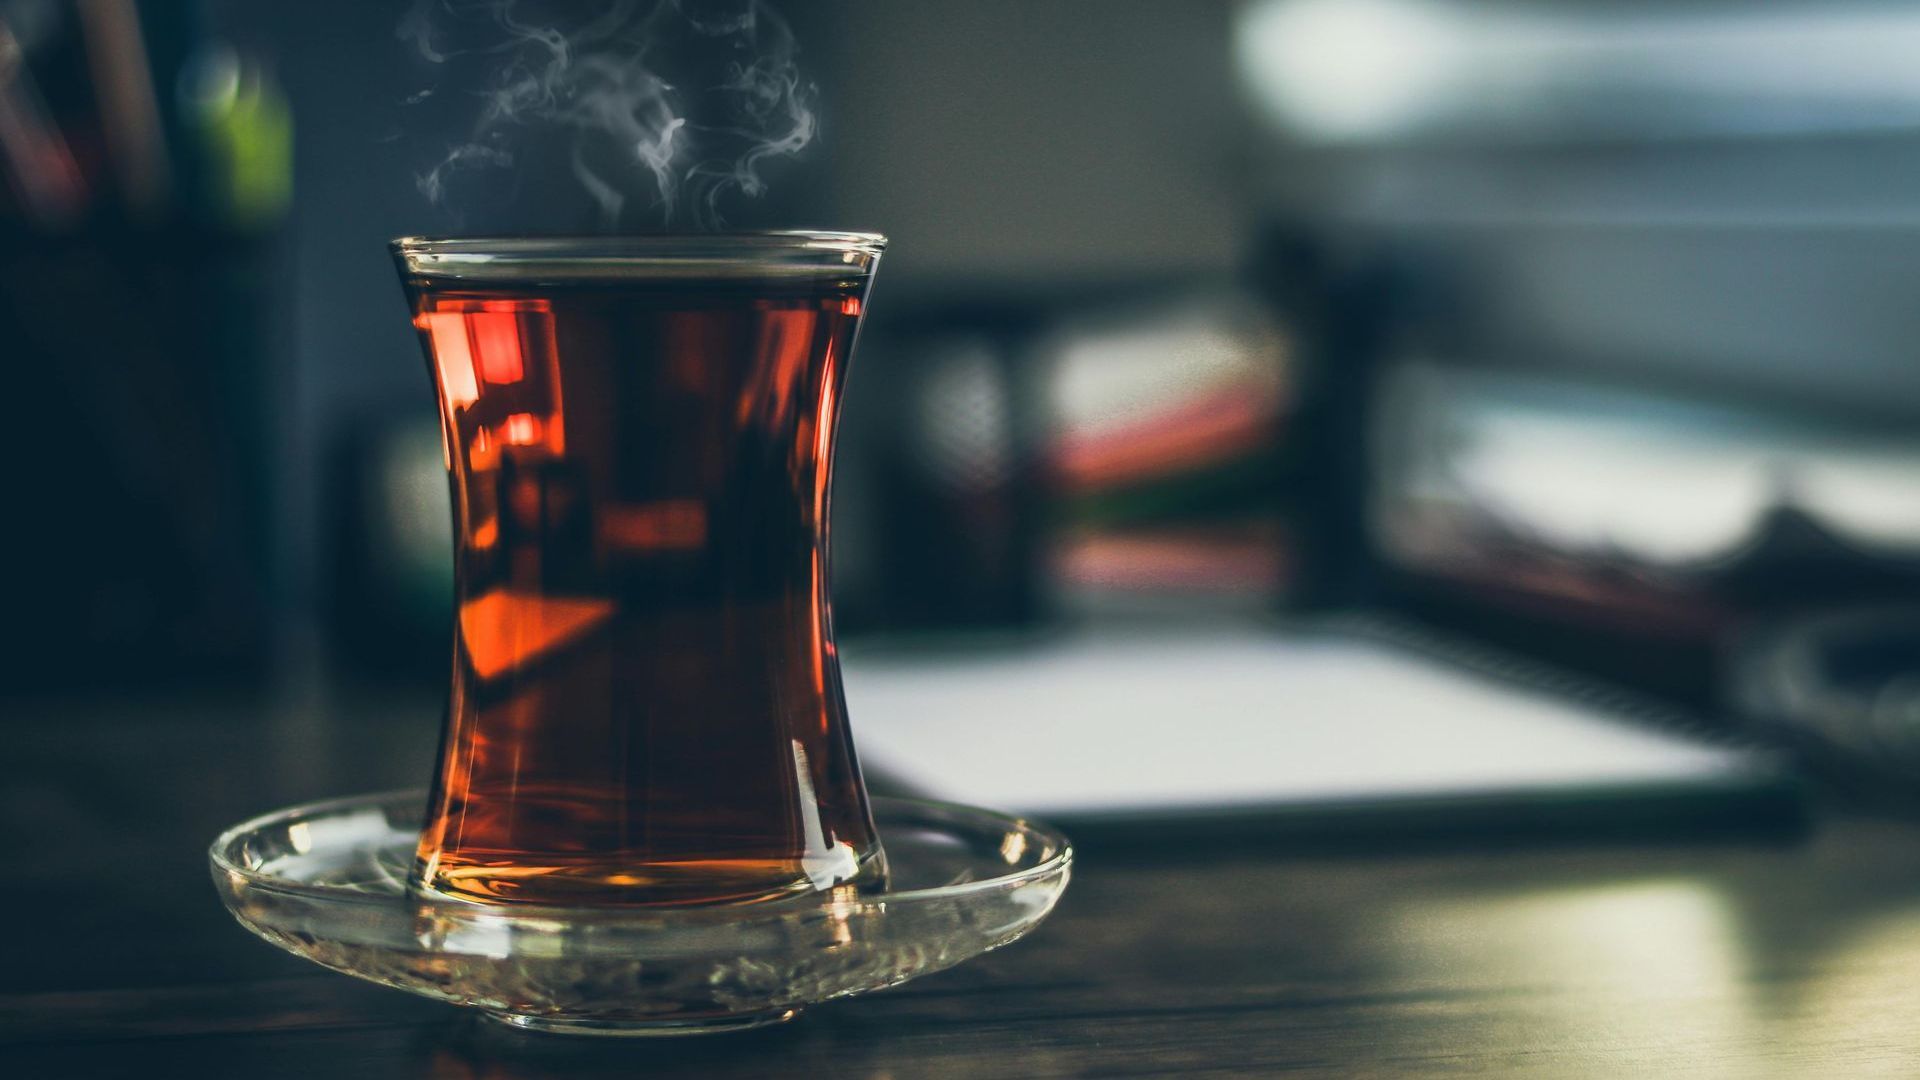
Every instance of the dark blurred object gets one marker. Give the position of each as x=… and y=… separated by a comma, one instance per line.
x=139, y=339
x=45, y=179
x=389, y=579
x=939, y=492
x=144, y=515
x=1339, y=305
x=1845, y=685
x=129, y=105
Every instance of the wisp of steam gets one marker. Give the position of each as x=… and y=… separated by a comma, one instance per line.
x=675, y=102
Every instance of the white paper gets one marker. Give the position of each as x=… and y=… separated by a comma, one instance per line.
x=1130, y=725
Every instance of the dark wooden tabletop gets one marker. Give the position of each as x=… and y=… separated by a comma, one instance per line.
x=1724, y=957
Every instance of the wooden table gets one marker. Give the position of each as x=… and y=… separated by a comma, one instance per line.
x=1722, y=958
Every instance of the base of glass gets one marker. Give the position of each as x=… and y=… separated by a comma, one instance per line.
x=645, y=1029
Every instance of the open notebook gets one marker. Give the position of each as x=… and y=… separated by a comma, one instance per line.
x=1305, y=730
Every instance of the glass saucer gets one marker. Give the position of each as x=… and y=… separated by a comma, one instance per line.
x=327, y=881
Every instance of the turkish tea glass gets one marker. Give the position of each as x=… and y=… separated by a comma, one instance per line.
x=645, y=706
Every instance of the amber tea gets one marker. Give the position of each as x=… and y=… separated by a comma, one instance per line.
x=646, y=703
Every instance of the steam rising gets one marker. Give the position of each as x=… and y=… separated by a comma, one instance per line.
x=675, y=102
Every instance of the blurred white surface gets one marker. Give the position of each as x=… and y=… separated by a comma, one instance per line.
x=1242, y=721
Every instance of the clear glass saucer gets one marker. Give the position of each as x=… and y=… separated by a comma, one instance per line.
x=327, y=881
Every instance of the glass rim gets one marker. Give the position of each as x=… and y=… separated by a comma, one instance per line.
x=769, y=253
x=643, y=245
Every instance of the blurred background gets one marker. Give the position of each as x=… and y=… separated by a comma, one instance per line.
x=1569, y=345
